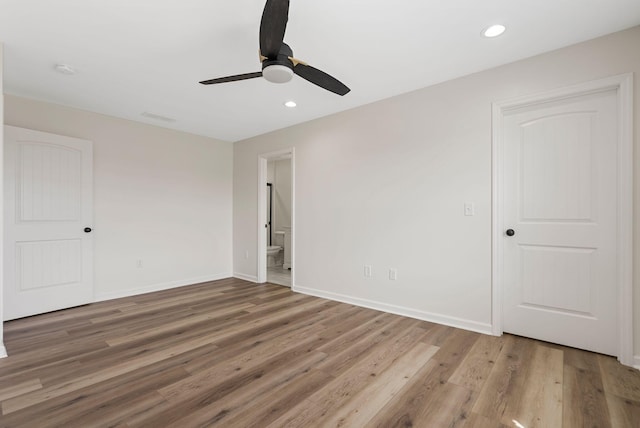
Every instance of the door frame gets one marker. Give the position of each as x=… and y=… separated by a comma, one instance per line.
x=263, y=159
x=623, y=85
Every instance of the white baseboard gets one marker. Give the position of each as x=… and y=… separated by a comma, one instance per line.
x=110, y=295
x=249, y=278
x=636, y=362
x=399, y=310
x=3, y=352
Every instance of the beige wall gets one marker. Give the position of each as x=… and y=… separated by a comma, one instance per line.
x=160, y=196
x=385, y=185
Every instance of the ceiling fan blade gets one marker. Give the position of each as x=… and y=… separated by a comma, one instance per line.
x=320, y=78
x=232, y=78
x=273, y=26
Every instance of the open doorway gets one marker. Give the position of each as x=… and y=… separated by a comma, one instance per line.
x=276, y=218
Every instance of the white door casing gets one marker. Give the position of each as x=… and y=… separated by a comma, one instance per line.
x=563, y=183
x=48, y=255
x=263, y=159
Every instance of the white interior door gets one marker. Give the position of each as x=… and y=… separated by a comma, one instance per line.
x=560, y=198
x=48, y=205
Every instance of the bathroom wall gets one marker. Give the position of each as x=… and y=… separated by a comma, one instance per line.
x=282, y=194
x=271, y=178
x=279, y=175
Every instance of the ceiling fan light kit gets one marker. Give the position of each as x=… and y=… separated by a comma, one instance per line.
x=278, y=63
x=277, y=73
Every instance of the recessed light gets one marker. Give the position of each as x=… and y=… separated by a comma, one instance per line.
x=290, y=104
x=65, y=69
x=494, y=30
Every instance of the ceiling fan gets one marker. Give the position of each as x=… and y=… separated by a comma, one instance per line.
x=278, y=63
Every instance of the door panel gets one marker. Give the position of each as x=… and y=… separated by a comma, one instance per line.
x=557, y=278
x=48, y=203
x=560, y=185
x=49, y=183
x=561, y=147
x=42, y=264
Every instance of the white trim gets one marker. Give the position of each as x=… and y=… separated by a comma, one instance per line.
x=636, y=362
x=623, y=84
x=293, y=217
x=625, y=219
x=250, y=278
x=464, y=324
x=3, y=350
x=110, y=295
x=263, y=158
x=261, y=262
x=496, y=223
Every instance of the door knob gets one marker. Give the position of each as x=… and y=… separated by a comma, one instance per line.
x=87, y=229
x=510, y=232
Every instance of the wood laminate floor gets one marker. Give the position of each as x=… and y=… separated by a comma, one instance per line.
x=235, y=354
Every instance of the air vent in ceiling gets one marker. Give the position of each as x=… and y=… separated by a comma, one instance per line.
x=158, y=117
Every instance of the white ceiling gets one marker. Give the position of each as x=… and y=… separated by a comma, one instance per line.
x=135, y=56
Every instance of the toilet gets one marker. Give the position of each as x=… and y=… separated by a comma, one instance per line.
x=272, y=253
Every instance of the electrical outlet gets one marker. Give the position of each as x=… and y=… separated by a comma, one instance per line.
x=393, y=274
x=469, y=209
x=139, y=264
x=367, y=271
x=246, y=254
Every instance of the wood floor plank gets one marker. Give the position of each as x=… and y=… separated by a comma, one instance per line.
x=329, y=398
x=427, y=402
x=363, y=406
x=18, y=389
x=618, y=380
x=185, y=322
x=584, y=403
x=17, y=403
x=624, y=412
x=269, y=407
x=474, y=420
x=541, y=403
x=204, y=380
x=478, y=363
x=429, y=399
x=90, y=362
x=231, y=353
x=343, y=358
x=233, y=404
x=502, y=392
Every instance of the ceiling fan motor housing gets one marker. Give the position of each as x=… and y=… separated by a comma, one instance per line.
x=279, y=70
